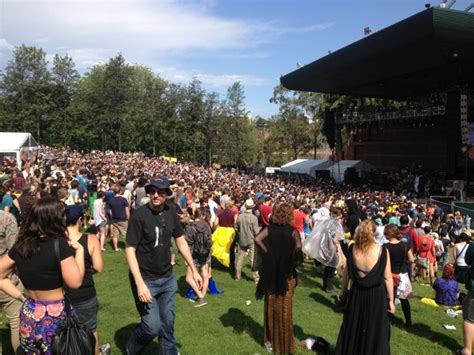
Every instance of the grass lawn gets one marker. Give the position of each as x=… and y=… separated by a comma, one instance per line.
x=228, y=326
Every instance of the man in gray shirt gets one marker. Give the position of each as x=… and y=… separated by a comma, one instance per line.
x=247, y=228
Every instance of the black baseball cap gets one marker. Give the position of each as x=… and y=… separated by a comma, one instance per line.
x=159, y=183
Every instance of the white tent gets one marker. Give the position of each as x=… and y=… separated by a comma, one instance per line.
x=271, y=170
x=338, y=169
x=305, y=166
x=297, y=161
x=16, y=144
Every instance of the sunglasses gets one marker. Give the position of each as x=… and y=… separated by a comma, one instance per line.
x=159, y=192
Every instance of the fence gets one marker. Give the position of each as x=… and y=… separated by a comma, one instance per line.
x=450, y=205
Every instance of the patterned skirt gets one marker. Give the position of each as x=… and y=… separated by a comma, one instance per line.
x=38, y=323
x=278, y=320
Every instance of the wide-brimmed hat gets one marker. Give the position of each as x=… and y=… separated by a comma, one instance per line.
x=249, y=204
x=160, y=183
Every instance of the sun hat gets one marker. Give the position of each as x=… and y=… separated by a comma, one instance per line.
x=249, y=204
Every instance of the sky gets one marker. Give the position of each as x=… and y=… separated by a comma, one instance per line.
x=216, y=41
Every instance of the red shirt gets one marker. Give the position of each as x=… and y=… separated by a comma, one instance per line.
x=265, y=212
x=298, y=220
x=426, y=247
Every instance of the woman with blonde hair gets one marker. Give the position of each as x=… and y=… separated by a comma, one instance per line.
x=281, y=247
x=366, y=325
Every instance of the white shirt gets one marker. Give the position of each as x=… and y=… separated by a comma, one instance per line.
x=461, y=249
x=379, y=235
x=97, y=207
x=213, y=207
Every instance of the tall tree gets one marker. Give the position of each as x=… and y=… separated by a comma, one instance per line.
x=64, y=78
x=26, y=88
x=115, y=92
x=291, y=127
x=238, y=133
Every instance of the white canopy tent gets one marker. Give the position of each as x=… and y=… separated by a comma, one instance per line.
x=271, y=170
x=338, y=169
x=16, y=144
x=305, y=166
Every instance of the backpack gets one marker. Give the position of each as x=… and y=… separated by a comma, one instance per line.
x=8, y=235
x=8, y=230
x=201, y=248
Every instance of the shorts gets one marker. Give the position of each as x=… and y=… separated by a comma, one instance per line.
x=38, y=323
x=87, y=312
x=102, y=224
x=468, y=307
x=119, y=229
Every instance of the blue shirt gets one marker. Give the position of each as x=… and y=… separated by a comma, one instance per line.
x=118, y=206
x=446, y=291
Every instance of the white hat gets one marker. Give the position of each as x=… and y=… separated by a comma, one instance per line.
x=249, y=204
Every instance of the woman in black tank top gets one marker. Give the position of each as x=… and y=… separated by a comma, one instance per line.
x=84, y=299
x=43, y=272
x=400, y=255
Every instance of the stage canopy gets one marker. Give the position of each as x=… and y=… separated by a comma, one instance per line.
x=430, y=52
x=305, y=166
x=338, y=169
x=16, y=144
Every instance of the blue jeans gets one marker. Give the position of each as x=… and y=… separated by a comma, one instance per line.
x=157, y=318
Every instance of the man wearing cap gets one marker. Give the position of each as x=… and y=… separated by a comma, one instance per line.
x=148, y=255
x=247, y=228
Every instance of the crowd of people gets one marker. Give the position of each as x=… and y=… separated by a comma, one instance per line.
x=372, y=243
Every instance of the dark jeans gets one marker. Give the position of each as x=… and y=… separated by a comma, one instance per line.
x=157, y=318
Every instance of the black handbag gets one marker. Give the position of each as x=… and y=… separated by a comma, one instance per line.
x=73, y=337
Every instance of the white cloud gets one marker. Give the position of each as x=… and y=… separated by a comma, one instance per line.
x=5, y=47
x=155, y=25
x=218, y=81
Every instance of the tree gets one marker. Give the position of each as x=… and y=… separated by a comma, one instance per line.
x=291, y=127
x=64, y=83
x=26, y=89
x=238, y=136
x=192, y=114
x=212, y=112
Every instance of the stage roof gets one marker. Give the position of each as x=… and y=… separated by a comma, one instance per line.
x=430, y=52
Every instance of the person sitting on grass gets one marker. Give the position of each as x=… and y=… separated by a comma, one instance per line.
x=198, y=237
x=447, y=289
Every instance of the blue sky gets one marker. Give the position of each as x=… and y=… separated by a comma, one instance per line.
x=219, y=42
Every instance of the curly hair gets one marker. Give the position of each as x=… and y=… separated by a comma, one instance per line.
x=364, y=235
x=282, y=214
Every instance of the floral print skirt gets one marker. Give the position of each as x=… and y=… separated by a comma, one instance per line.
x=38, y=323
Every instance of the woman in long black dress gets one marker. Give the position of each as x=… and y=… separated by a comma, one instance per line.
x=366, y=326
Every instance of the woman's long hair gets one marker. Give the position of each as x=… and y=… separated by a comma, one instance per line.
x=364, y=235
x=46, y=219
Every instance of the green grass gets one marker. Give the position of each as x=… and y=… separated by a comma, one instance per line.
x=228, y=326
